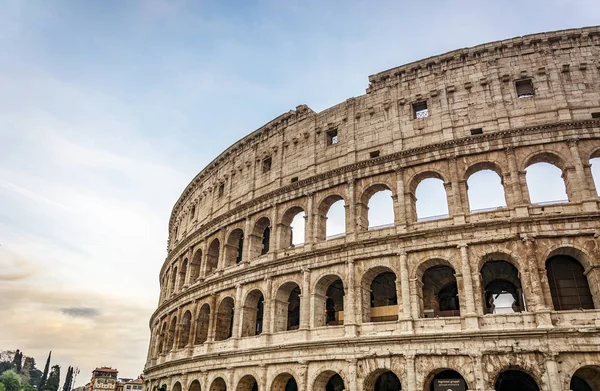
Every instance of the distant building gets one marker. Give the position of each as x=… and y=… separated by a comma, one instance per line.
x=104, y=379
x=132, y=385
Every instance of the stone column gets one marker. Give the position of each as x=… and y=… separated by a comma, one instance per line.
x=178, y=326
x=352, y=375
x=247, y=239
x=553, y=375
x=268, y=314
x=309, y=235
x=471, y=316
x=237, y=313
x=411, y=373
x=479, y=373
x=350, y=206
x=212, y=321
x=305, y=300
x=537, y=301
x=457, y=207
x=274, y=239
x=188, y=274
x=406, y=314
x=517, y=187
x=221, y=260
x=194, y=326
x=582, y=188
x=416, y=286
x=350, y=301
x=399, y=202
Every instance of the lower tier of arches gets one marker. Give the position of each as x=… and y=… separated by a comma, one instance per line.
x=506, y=370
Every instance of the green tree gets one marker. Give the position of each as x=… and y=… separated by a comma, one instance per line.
x=45, y=375
x=18, y=361
x=68, y=380
x=11, y=380
x=53, y=380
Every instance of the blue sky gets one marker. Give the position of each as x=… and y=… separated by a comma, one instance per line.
x=109, y=108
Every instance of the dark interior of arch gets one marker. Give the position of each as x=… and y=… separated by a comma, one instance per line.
x=440, y=292
x=501, y=282
x=240, y=250
x=586, y=379
x=568, y=285
x=388, y=381
x=266, y=237
x=513, y=380
x=260, y=308
x=291, y=385
x=383, y=290
x=335, y=383
x=334, y=302
x=294, y=309
x=450, y=374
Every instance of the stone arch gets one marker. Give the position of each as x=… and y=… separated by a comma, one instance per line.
x=379, y=294
x=218, y=384
x=212, y=256
x=485, y=178
x=260, y=239
x=203, y=324
x=195, y=266
x=365, y=212
x=184, y=332
x=586, y=378
x=328, y=302
x=501, y=285
x=171, y=334
x=173, y=281
x=224, y=321
x=183, y=274
x=443, y=374
x=234, y=247
x=438, y=295
x=284, y=382
x=195, y=385
x=594, y=171
x=570, y=287
x=515, y=378
x=558, y=162
x=177, y=386
x=380, y=379
x=253, y=313
x=413, y=185
x=161, y=343
x=329, y=380
x=287, y=237
x=247, y=383
x=324, y=223
x=287, y=307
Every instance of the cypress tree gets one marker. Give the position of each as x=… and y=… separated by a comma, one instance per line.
x=53, y=379
x=68, y=380
x=45, y=375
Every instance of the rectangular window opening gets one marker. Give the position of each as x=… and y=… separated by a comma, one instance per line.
x=332, y=137
x=476, y=131
x=420, y=109
x=266, y=165
x=596, y=114
x=294, y=179
x=524, y=88
x=221, y=189
x=374, y=154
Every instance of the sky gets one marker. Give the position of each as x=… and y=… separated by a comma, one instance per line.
x=109, y=108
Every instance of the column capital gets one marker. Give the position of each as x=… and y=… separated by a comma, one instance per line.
x=462, y=245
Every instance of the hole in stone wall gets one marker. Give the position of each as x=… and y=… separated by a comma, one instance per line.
x=476, y=131
x=374, y=154
x=524, y=88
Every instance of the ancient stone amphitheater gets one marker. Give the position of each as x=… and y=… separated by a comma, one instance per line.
x=502, y=298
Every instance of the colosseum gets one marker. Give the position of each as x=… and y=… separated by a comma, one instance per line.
x=280, y=276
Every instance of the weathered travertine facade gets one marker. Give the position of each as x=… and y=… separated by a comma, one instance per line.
x=216, y=283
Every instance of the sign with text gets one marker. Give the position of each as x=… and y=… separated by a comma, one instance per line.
x=449, y=385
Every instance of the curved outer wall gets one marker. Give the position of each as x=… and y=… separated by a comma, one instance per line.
x=381, y=145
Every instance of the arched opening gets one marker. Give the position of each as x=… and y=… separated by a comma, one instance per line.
x=261, y=237
x=195, y=266
x=224, y=326
x=183, y=274
x=202, y=326
x=569, y=286
x=284, y=382
x=595, y=169
x=218, y=385
x=212, y=258
x=234, y=247
x=173, y=280
x=177, y=386
x=586, y=378
x=380, y=299
x=247, y=383
x=430, y=200
x=287, y=307
x=162, y=339
x=329, y=301
x=545, y=184
x=293, y=227
x=171, y=338
x=485, y=191
x=331, y=218
x=253, y=314
x=184, y=333
x=329, y=381
x=440, y=292
x=382, y=380
x=379, y=212
x=513, y=379
x=195, y=386
x=502, y=291
x=445, y=379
